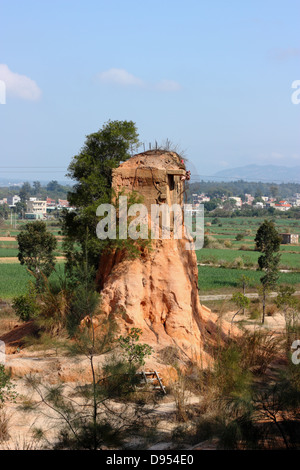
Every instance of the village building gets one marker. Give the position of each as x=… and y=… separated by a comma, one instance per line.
x=36, y=209
x=13, y=200
x=289, y=238
x=283, y=206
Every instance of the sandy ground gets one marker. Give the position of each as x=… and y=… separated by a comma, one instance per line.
x=53, y=368
x=25, y=420
x=274, y=323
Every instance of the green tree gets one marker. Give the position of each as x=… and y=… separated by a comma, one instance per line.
x=20, y=208
x=211, y=205
x=25, y=192
x=53, y=186
x=274, y=190
x=4, y=211
x=267, y=241
x=37, y=188
x=290, y=308
x=36, y=246
x=25, y=305
x=91, y=170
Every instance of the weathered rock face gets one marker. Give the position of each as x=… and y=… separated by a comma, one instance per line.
x=158, y=294
x=158, y=291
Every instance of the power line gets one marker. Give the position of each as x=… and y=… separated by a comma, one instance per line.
x=61, y=169
x=27, y=166
x=261, y=180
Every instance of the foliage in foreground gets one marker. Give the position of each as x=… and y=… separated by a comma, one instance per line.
x=109, y=409
x=241, y=406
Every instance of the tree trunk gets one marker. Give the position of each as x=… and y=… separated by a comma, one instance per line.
x=264, y=307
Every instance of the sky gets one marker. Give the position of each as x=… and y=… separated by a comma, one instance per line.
x=212, y=76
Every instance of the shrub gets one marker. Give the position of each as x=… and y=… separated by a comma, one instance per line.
x=4, y=426
x=216, y=245
x=239, y=237
x=259, y=350
x=271, y=310
x=231, y=378
x=238, y=262
x=211, y=242
x=134, y=352
x=6, y=387
x=244, y=248
x=247, y=261
x=26, y=306
x=255, y=314
x=227, y=244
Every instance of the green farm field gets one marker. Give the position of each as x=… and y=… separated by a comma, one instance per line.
x=216, y=255
x=223, y=246
x=234, y=254
x=14, y=279
x=222, y=280
x=229, y=227
x=212, y=279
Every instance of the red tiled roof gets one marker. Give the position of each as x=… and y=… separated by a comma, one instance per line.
x=63, y=202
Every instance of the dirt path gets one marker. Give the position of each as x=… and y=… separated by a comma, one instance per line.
x=12, y=239
x=252, y=295
x=11, y=260
x=248, y=268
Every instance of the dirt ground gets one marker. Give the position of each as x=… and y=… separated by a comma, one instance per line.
x=24, y=420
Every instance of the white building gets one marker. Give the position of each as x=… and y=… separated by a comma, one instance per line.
x=295, y=200
x=37, y=207
x=13, y=200
x=238, y=200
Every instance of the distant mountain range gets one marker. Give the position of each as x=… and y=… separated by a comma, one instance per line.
x=260, y=173
x=251, y=173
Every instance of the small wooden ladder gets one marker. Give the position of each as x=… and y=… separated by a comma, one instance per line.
x=154, y=379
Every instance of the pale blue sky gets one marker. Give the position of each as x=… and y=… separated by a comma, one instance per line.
x=213, y=76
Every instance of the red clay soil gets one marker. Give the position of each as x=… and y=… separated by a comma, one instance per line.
x=15, y=338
